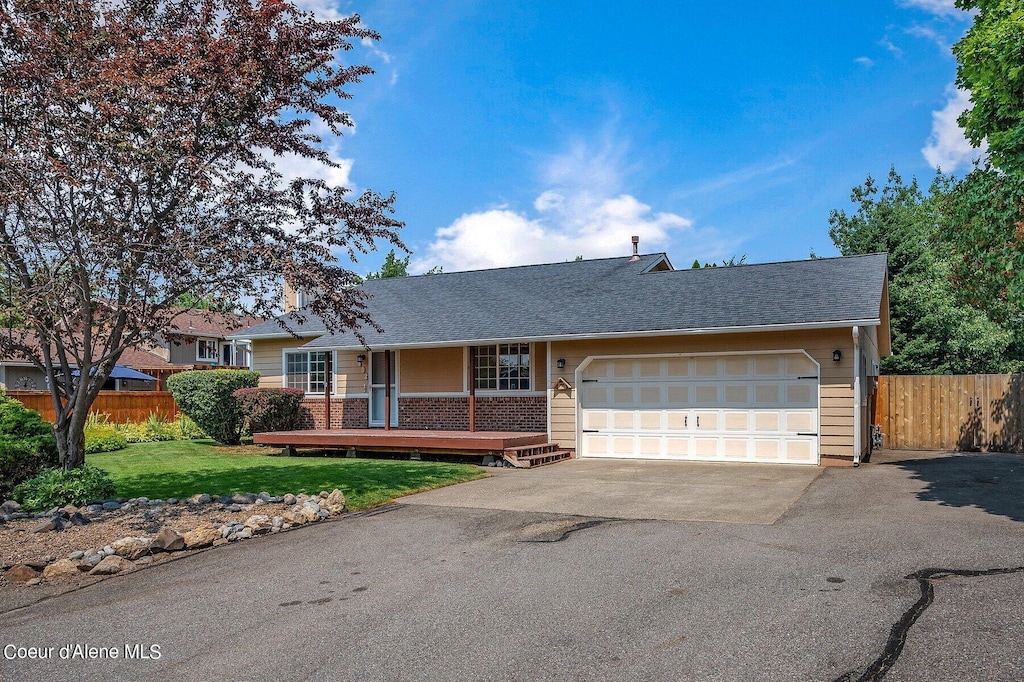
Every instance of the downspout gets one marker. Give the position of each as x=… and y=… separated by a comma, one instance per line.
x=857, y=392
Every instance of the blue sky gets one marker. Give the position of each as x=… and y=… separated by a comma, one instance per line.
x=538, y=131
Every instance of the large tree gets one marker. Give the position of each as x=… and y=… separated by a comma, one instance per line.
x=139, y=149
x=990, y=60
x=934, y=330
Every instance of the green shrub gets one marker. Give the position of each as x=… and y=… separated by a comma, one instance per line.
x=57, y=488
x=27, y=444
x=271, y=409
x=186, y=429
x=104, y=438
x=206, y=397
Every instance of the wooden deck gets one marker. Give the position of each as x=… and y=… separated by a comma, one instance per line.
x=403, y=440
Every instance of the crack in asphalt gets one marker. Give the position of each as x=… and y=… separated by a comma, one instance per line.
x=898, y=635
x=556, y=531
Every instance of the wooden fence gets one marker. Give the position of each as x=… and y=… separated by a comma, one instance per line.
x=969, y=412
x=120, y=406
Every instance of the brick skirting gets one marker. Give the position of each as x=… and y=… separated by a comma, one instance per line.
x=346, y=413
x=505, y=413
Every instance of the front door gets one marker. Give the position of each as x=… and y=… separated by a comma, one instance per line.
x=377, y=378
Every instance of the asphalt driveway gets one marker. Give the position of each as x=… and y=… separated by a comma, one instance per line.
x=835, y=589
x=636, y=489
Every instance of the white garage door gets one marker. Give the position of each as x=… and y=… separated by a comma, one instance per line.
x=747, y=408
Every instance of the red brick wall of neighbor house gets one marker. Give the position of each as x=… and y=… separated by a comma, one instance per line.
x=346, y=413
x=506, y=413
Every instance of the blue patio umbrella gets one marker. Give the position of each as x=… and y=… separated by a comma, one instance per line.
x=122, y=372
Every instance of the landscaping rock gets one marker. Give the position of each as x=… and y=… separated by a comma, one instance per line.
x=78, y=519
x=289, y=499
x=323, y=494
x=265, y=496
x=111, y=506
x=60, y=569
x=172, y=500
x=132, y=548
x=90, y=560
x=201, y=537
x=243, y=498
x=259, y=524
x=9, y=507
x=259, y=502
x=201, y=498
x=293, y=516
x=144, y=561
x=94, y=508
x=75, y=556
x=112, y=565
x=243, y=534
x=233, y=508
x=46, y=525
x=220, y=541
x=335, y=502
x=169, y=540
x=21, y=574
x=107, y=550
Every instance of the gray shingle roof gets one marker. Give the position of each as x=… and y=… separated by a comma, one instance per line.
x=609, y=296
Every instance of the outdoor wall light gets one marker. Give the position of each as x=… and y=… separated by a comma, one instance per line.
x=837, y=355
x=361, y=358
x=560, y=363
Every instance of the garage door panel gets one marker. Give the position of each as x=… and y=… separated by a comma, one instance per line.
x=759, y=407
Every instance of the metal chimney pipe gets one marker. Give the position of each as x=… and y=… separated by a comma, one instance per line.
x=636, y=248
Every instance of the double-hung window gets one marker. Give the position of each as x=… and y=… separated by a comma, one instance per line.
x=502, y=367
x=206, y=350
x=306, y=370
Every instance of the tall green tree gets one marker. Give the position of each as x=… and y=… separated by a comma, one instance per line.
x=393, y=266
x=934, y=331
x=990, y=60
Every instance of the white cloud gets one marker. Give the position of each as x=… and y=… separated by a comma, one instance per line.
x=866, y=62
x=323, y=9
x=891, y=46
x=947, y=148
x=292, y=166
x=581, y=211
x=944, y=8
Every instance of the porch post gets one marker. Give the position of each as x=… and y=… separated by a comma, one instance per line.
x=328, y=382
x=387, y=390
x=472, y=388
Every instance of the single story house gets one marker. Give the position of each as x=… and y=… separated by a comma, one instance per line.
x=615, y=357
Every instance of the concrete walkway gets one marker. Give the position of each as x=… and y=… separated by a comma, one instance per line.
x=636, y=489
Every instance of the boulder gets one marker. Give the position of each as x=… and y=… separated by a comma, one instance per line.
x=233, y=508
x=243, y=534
x=288, y=499
x=9, y=507
x=132, y=548
x=201, y=537
x=293, y=517
x=309, y=513
x=75, y=556
x=60, y=569
x=91, y=559
x=243, y=498
x=335, y=502
x=77, y=519
x=201, y=498
x=112, y=565
x=46, y=525
x=169, y=540
x=259, y=524
x=172, y=500
x=111, y=506
x=21, y=573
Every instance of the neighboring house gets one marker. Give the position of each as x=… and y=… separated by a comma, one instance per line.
x=616, y=357
x=195, y=341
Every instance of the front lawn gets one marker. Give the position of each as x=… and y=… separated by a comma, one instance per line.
x=183, y=468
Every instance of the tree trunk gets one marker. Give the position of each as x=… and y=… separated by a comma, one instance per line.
x=70, y=443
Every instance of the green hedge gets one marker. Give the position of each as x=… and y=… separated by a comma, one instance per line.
x=206, y=396
x=27, y=444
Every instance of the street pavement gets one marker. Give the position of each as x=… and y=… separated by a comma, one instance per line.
x=425, y=592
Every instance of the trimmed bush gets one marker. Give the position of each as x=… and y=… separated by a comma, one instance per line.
x=58, y=488
x=206, y=397
x=271, y=409
x=27, y=444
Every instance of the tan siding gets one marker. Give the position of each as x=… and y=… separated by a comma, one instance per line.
x=268, y=359
x=836, y=377
x=431, y=370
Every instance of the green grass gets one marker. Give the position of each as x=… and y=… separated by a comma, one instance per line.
x=183, y=468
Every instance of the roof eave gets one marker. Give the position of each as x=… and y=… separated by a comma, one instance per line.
x=809, y=326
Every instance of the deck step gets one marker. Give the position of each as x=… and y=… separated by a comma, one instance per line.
x=526, y=457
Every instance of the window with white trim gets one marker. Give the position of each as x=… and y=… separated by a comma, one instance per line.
x=206, y=350
x=502, y=367
x=306, y=370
